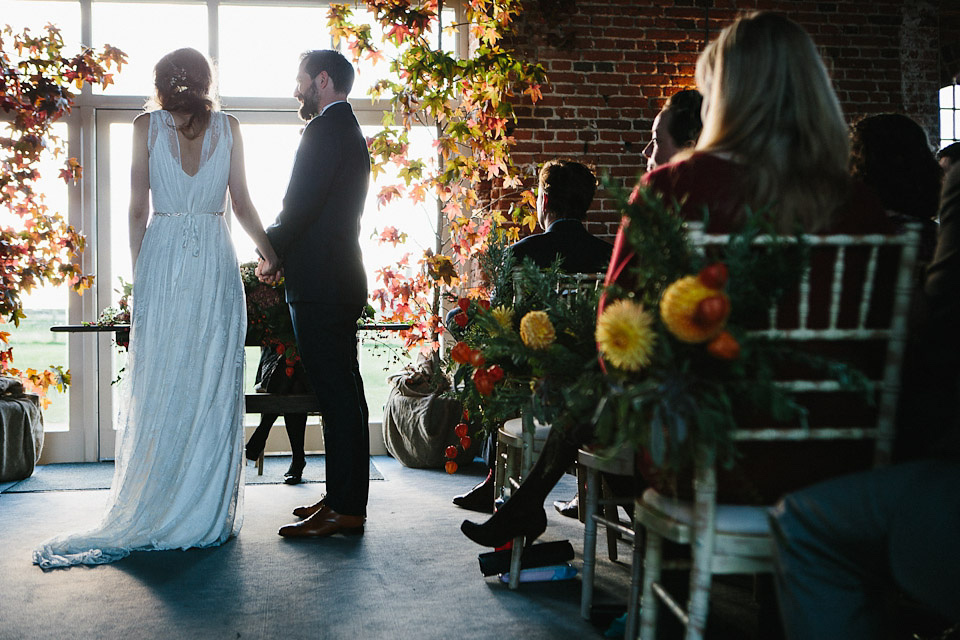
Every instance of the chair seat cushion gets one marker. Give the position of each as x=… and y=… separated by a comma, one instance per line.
x=514, y=427
x=731, y=519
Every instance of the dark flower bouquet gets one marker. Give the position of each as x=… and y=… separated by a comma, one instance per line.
x=268, y=316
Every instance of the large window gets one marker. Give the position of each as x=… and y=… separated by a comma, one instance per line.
x=255, y=45
x=949, y=115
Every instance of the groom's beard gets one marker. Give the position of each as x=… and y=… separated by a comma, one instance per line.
x=310, y=105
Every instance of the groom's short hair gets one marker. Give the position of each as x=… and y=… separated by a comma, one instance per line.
x=337, y=67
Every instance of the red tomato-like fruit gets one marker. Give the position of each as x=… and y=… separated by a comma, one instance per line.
x=714, y=275
x=712, y=311
x=280, y=349
x=495, y=372
x=461, y=429
x=450, y=452
x=461, y=353
x=483, y=382
x=451, y=466
x=485, y=304
x=289, y=372
x=724, y=346
x=465, y=442
x=476, y=359
x=461, y=319
x=463, y=303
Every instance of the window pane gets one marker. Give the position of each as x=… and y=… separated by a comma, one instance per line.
x=146, y=32
x=34, y=345
x=260, y=47
x=37, y=14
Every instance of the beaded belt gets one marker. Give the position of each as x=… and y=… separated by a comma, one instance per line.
x=198, y=213
x=191, y=234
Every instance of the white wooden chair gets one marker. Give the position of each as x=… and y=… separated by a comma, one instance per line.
x=727, y=539
x=520, y=439
x=602, y=510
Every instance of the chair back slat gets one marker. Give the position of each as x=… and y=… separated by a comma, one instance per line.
x=836, y=287
x=803, y=308
x=868, y=285
x=853, y=272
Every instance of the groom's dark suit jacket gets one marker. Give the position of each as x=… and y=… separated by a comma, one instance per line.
x=316, y=234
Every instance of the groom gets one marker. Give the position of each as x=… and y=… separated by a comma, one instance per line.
x=316, y=237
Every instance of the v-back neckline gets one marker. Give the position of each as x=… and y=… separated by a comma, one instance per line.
x=203, y=146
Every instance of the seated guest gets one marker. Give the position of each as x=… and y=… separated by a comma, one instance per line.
x=675, y=129
x=564, y=194
x=773, y=134
x=891, y=155
x=949, y=155
x=843, y=544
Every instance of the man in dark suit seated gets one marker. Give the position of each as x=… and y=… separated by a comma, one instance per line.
x=565, y=192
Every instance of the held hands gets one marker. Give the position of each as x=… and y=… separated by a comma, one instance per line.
x=269, y=271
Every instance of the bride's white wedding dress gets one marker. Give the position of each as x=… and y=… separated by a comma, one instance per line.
x=179, y=462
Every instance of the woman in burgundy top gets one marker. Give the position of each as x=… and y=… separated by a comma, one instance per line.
x=773, y=136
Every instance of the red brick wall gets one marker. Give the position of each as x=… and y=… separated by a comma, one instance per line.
x=612, y=63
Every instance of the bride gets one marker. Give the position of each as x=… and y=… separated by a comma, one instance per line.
x=179, y=462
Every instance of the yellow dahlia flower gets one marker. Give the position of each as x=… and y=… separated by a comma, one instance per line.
x=536, y=330
x=679, y=310
x=625, y=335
x=504, y=317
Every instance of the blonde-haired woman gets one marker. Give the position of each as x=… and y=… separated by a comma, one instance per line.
x=179, y=459
x=773, y=137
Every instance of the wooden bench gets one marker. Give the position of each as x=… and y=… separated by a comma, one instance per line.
x=280, y=403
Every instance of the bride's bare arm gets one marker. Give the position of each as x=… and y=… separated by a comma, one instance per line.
x=139, y=186
x=243, y=207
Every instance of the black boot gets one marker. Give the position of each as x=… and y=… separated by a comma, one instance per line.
x=523, y=514
x=296, y=428
x=258, y=439
x=480, y=498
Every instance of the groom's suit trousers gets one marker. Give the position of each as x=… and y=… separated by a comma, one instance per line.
x=327, y=338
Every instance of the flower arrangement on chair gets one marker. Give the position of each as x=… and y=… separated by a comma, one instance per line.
x=525, y=347
x=677, y=349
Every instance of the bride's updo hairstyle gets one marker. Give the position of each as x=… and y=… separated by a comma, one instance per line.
x=770, y=105
x=183, y=80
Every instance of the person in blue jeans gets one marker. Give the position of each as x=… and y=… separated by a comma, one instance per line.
x=844, y=544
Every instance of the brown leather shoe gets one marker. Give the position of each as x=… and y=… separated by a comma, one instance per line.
x=325, y=522
x=307, y=511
